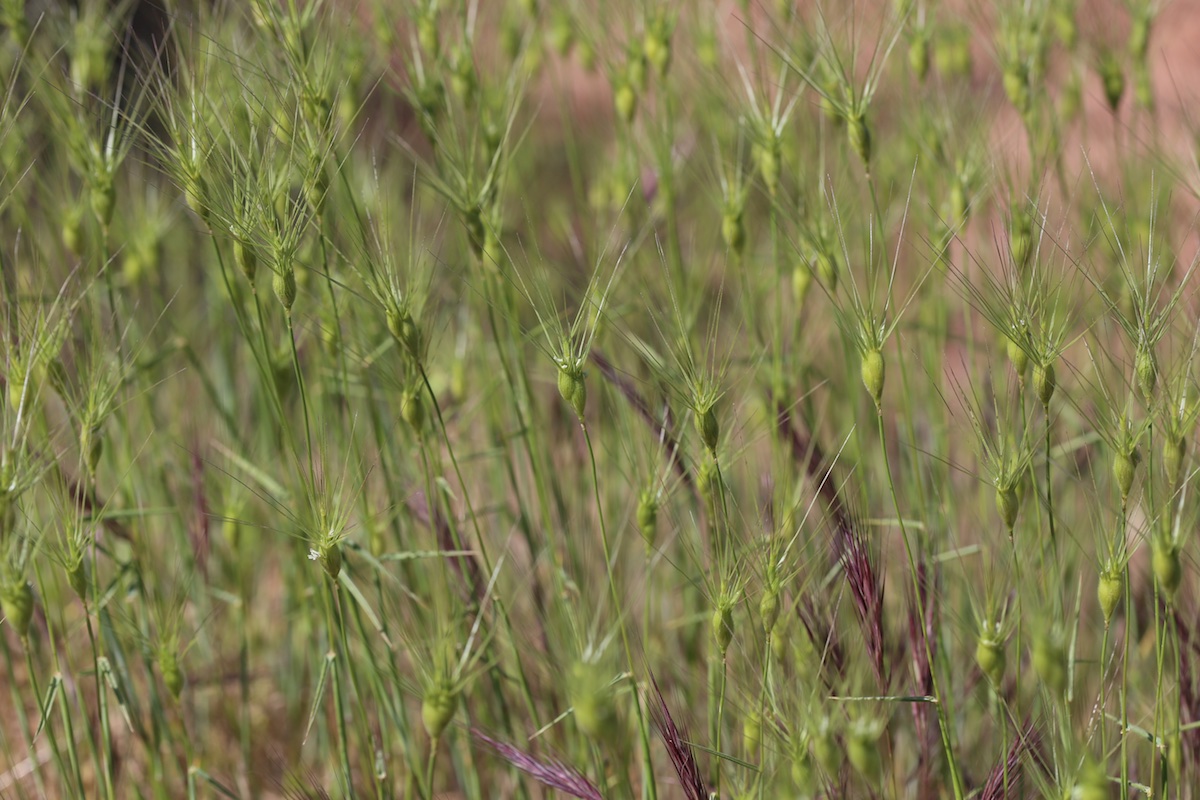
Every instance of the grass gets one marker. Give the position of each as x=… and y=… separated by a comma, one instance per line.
x=650, y=400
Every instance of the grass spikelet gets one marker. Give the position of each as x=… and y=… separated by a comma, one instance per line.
x=679, y=749
x=551, y=773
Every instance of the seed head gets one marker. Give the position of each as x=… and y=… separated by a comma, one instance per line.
x=1110, y=591
x=1146, y=370
x=801, y=284
x=1167, y=565
x=1113, y=77
x=405, y=330
x=733, y=230
x=647, y=518
x=330, y=556
x=862, y=749
x=171, y=671
x=768, y=609
x=708, y=427
x=573, y=388
x=1016, y=86
x=1139, y=34
x=412, y=409
x=722, y=627
x=872, y=371
x=284, y=285
x=1050, y=661
x=990, y=656
x=1174, y=451
x=751, y=733
x=16, y=601
x=1007, y=503
x=860, y=137
x=438, y=707
x=77, y=578
x=591, y=701
x=1044, y=382
x=625, y=100
x=1124, y=468
x=918, y=55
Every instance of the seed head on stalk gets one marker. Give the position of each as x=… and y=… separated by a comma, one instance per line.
x=767, y=120
x=831, y=75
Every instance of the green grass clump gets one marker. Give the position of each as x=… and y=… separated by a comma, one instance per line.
x=625, y=399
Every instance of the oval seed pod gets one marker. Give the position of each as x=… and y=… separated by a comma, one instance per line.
x=872, y=371
x=412, y=409
x=573, y=388
x=1174, y=451
x=330, y=556
x=625, y=100
x=246, y=259
x=827, y=269
x=1110, y=591
x=751, y=733
x=1050, y=661
x=1139, y=35
x=801, y=769
x=768, y=609
x=801, y=283
x=428, y=35
x=1019, y=359
x=862, y=749
x=1063, y=17
x=708, y=427
x=437, y=709
x=733, y=230
x=77, y=578
x=1124, y=469
x=825, y=749
x=284, y=285
x=591, y=701
x=657, y=48
x=172, y=672
x=1146, y=370
x=918, y=55
x=562, y=34
x=16, y=601
x=1020, y=238
x=1113, y=78
x=73, y=230
x=1167, y=566
x=1044, y=382
x=990, y=657
x=722, y=628
x=708, y=481
x=1016, y=87
x=860, y=137
x=1007, y=503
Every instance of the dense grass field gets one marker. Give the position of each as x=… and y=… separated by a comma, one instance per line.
x=641, y=399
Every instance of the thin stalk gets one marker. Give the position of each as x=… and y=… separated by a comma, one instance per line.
x=650, y=789
x=943, y=723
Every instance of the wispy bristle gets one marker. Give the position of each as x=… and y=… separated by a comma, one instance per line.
x=995, y=788
x=866, y=587
x=548, y=772
x=683, y=758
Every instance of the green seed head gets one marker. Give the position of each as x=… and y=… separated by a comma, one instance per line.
x=562, y=34
x=573, y=388
x=860, y=137
x=751, y=734
x=768, y=609
x=412, y=409
x=1007, y=503
x=1044, y=382
x=1174, y=451
x=437, y=709
x=801, y=770
x=918, y=55
x=1146, y=371
x=1110, y=591
x=733, y=230
x=1139, y=35
x=825, y=749
x=1016, y=86
x=1050, y=661
x=1167, y=565
x=990, y=657
x=625, y=100
x=657, y=48
x=428, y=35
x=1065, y=28
x=73, y=230
x=404, y=328
x=827, y=269
x=1124, y=469
x=708, y=427
x=16, y=601
x=1020, y=238
x=77, y=578
x=1113, y=77
x=862, y=750
x=171, y=671
x=330, y=556
x=284, y=284
x=801, y=284
x=708, y=480
x=872, y=371
x=591, y=700
x=722, y=628
x=104, y=198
